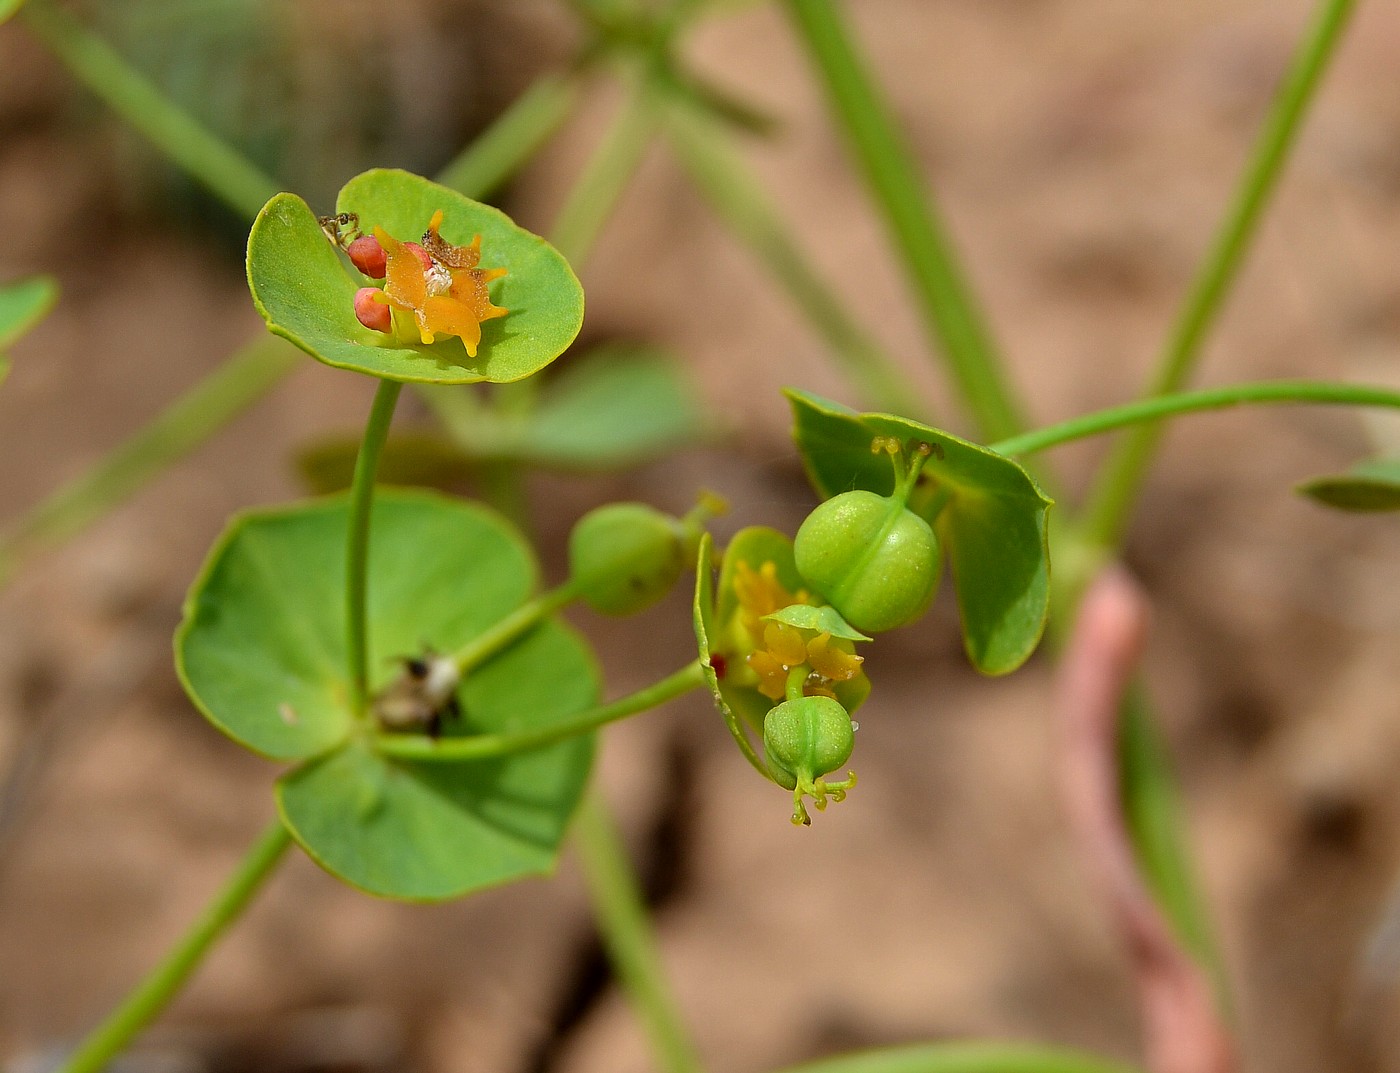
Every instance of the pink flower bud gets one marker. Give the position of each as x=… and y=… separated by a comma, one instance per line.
x=422, y=255
x=368, y=256
x=372, y=311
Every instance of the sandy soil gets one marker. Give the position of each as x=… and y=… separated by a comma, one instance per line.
x=1083, y=153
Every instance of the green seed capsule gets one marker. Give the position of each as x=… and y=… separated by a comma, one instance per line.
x=804, y=739
x=875, y=561
x=624, y=557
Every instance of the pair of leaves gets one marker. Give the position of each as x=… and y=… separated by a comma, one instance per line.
x=305, y=292
x=618, y=406
x=262, y=653
x=986, y=510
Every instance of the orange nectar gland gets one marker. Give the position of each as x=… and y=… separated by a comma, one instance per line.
x=438, y=283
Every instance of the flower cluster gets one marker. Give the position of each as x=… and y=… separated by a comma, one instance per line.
x=432, y=283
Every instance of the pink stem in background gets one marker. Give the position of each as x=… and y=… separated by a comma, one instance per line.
x=1183, y=1033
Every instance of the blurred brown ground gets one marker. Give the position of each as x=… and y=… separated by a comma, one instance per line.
x=1083, y=152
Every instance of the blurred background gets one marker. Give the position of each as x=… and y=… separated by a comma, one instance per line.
x=1083, y=152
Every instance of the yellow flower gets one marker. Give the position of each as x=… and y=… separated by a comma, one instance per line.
x=787, y=647
x=761, y=593
x=440, y=285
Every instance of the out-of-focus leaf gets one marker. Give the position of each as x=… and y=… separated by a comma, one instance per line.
x=23, y=304
x=1371, y=486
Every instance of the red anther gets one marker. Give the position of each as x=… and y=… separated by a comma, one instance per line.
x=368, y=256
x=422, y=255
x=372, y=311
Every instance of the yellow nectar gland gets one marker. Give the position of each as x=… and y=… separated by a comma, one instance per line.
x=440, y=285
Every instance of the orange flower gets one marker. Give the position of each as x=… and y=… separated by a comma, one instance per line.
x=440, y=285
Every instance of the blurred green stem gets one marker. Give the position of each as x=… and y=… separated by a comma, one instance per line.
x=717, y=171
x=154, y=993
x=515, y=136
x=481, y=648
x=951, y=316
x=1120, y=480
x=234, y=386
x=381, y=416
x=1319, y=392
x=628, y=935
x=599, y=186
x=227, y=174
x=419, y=747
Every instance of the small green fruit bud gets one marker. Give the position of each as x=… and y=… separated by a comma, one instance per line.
x=624, y=557
x=805, y=739
x=875, y=561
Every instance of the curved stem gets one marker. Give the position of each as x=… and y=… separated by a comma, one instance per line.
x=481, y=746
x=160, y=986
x=1121, y=477
x=1317, y=392
x=481, y=648
x=381, y=416
x=627, y=932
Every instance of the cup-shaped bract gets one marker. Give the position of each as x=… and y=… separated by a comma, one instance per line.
x=305, y=289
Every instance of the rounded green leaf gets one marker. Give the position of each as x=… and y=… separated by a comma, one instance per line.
x=305, y=291
x=23, y=304
x=822, y=619
x=1369, y=487
x=261, y=650
x=985, y=508
x=425, y=831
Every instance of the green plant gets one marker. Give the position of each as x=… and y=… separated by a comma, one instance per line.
x=394, y=647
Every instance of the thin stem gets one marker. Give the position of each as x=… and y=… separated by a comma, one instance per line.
x=964, y=1058
x=419, y=747
x=381, y=416
x=513, y=138
x=481, y=648
x=611, y=167
x=154, y=993
x=1120, y=479
x=189, y=421
x=227, y=174
x=627, y=933
x=703, y=150
x=1319, y=392
x=951, y=316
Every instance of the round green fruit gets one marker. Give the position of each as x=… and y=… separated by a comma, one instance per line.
x=874, y=560
x=626, y=556
x=804, y=739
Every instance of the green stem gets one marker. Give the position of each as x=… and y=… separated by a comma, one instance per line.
x=627, y=932
x=228, y=174
x=381, y=416
x=189, y=421
x=951, y=315
x=964, y=1058
x=154, y=993
x=477, y=747
x=703, y=149
x=599, y=187
x=513, y=138
x=1319, y=392
x=481, y=648
x=1118, y=483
